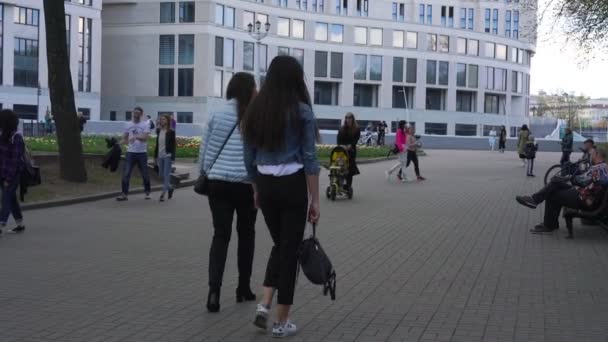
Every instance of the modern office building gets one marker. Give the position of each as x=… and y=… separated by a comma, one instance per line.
x=449, y=67
x=23, y=64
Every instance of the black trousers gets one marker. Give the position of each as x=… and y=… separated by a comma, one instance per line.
x=225, y=199
x=501, y=144
x=557, y=195
x=413, y=157
x=565, y=157
x=284, y=203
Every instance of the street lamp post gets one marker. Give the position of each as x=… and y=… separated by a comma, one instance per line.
x=256, y=32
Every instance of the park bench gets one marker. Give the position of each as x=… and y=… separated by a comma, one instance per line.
x=597, y=215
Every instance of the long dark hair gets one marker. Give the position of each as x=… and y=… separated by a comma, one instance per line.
x=241, y=87
x=276, y=106
x=354, y=127
x=403, y=126
x=8, y=125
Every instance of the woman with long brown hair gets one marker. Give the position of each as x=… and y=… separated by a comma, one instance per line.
x=348, y=136
x=164, y=153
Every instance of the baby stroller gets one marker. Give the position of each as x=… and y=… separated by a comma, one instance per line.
x=338, y=170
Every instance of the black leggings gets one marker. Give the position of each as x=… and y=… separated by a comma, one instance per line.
x=501, y=144
x=413, y=157
x=284, y=203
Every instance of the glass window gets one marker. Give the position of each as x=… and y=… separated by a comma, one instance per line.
x=495, y=22
x=365, y=95
x=411, y=41
x=336, y=65
x=514, y=81
x=375, y=36
x=229, y=53
x=490, y=50
x=514, y=55
x=320, y=64
x=466, y=130
x=461, y=46
x=403, y=97
x=263, y=57
x=167, y=12
x=487, y=19
x=490, y=78
x=398, y=69
x=229, y=17
x=185, y=82
x=321, y=31
x=186, y=49
x=26, y=16
x=429, y=14
x=520, y=82
x=463, y=18
x=298, y=29
x=337, y=33
x=500, y=79
x=361, y=35
x=360, y=67
x=411, y=70
x=219, y=51
x=461, y=75
x=283, y=51
x=491, y=105
x=326, y=93
x=501, y=52
x=375, y=68
x=473, y=47
x=444, y=44
x=398, y=39
x=248, y=19
x=298, y=54
x=471, y=18
x=167, y=50
x=473, y=76
x=436, y=128
x=283, y=27
x=465, y=101
x=421, y=14
x=432, y=42
x=217, y=83
x=184, y=117
x=248, y=53
x=431, y=72
x=165, y=82
x=26, y=63
x=262, y=18
x=444, y=70
x=516, y=24
x=219, y=14
x=186, y=12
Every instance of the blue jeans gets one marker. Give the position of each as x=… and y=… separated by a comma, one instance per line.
x=164, y=171
x=141, y=159
x=10, y=205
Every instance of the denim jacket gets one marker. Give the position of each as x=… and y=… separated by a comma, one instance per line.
x=299, y=147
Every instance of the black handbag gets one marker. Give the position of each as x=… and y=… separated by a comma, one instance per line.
x=31, y=171
x=316, y=264
x=201, y=186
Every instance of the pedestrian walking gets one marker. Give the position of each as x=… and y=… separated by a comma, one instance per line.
x=492, y=138
x=524, y=133
x=164, y=154
x=530, y=150
x=400, y=144
x=48, y=122
x=12, y=150
x=230, y=191
x=381, y=132
x=502, y=139
x=136, y=136
x=567, y=142
x=280, y=134
x=348, y=136
x=412, y=152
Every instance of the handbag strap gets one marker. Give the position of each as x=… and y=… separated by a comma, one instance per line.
x=222, y=148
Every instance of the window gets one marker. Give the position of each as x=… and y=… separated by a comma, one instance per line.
x=463, y=18
x=431, y=42
x=444, y=44
x=496, y=79
x=429, y=14
x=508, y=24
x=375, y=36
x=447, y=16
x=473, y=47
x=501, y=52
x=337, y=33
x=461, y=75
x=186, y=12
x=421, y=14
x=495, y=22
x=26, y=112
x=490, y=50
x=26, y=16
x=436, y=128
x=283, y=27
x=471, y=19
x=444, y=69
x=248, y=53
x=112, y=115
x=411, y=40
x=185, y=82
x=411, y=70
x=26, y=63
x=84, y=54
x=360, y=67
x=514, y=55
x=466, y=130
x=217, y=83
x=365, y=95
x=375, y=68
x=490, y=78
x=166, y=82
x=282, y=3
x=461, y=46
x=167, y=12
x=298, y=29
x=431, y=72
x=362, y=8
x=403, y=97
x=128, y=115
x=398, y=39
x=224, y=52
x=487, y=19
x=298, y=54
x=283, y=51
x=184, y=117
x=360, y=35
x=326, y=93
x=465, y=101
x=336, y=65
x=167, y=50
x=473, y=76
x=516, y=24
x=342, y=7
x=224, y=15
x=491, y=104
x=320, y=64
x=219, y=51
x=398, y=69
x=398, y=11
x=263, y=57
x=248, y=18
x=186, y=49
x=321, y=31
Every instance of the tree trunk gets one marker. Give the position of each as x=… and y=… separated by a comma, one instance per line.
x=71, y=161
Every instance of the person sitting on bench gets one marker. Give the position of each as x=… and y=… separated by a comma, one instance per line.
x=585, y=192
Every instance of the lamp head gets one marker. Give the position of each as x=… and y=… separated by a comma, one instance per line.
x=267, y=26
x=258, y=25
x=250, y=27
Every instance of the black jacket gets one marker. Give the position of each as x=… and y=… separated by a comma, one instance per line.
x=169, y=144
x=112, y=158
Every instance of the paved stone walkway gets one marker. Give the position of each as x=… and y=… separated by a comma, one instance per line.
x=449, y=259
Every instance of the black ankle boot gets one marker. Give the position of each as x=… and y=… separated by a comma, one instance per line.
x=244, y=294
x=213, y=300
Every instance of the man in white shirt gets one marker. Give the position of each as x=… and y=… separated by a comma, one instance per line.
x=136, y=136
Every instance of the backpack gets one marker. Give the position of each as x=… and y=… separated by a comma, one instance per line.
x=316, y=265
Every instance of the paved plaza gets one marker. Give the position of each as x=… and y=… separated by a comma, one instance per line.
x=449, y=259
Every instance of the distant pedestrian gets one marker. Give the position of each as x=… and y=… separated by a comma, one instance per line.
x=164, y=154
x=12, y=150
x=381, y=132
x=151, y=123
x=492, y=138
x=48, y=122
x=230, y=191
x=82, y=120
x=136, y=136
x=348, y=136
x=567, y=142
x=530, y=151
x=524, y=133
x=502, y=139
x=401, y=145
x=412, y=152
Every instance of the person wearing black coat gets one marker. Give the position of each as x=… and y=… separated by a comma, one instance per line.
x=112, y=158
x=164, y=154
x=348, y=136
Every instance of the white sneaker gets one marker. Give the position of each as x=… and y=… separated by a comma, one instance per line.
x=261, y=317
x=287, y=329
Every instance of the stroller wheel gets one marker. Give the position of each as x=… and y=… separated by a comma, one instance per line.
x=328, y=192
x=333, y=193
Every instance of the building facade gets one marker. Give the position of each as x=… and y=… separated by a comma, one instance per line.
x=448, y=67
x=23, y=64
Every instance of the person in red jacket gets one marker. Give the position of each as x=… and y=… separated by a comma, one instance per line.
x=401, y=144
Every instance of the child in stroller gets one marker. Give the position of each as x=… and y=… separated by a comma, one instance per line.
x=338, y=171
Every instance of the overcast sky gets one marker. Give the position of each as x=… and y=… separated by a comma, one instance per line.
x=557, y=66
